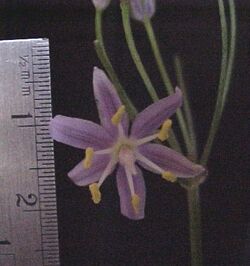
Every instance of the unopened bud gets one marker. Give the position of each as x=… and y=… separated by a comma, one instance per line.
x=101, y=4
x=142, y=9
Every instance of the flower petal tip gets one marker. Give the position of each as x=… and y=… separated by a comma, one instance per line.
x=199, y=170
x=178, y=90
x=97, y=72
x=204, y=171
x=99, y=78
x=178, y=93
x=135, y=217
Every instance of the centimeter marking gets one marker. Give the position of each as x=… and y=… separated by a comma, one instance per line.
x=28, y=209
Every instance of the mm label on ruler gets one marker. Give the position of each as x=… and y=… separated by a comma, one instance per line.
x=28, y=211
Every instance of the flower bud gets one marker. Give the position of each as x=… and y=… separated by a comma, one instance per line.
x=142, y=9
x=101, y=4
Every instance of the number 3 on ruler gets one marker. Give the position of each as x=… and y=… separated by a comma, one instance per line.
x=31, y=200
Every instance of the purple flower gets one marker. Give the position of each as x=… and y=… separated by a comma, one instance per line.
x=101, y=4
x=112, y=145
x=142, y=9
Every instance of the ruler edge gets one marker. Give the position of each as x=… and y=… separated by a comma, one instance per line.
x=30, y=45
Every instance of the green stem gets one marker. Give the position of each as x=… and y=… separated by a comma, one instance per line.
x=139, y=65
x=157, y=54
x=166, y=80
x=186, y=106
x=226, y=73
x=173, y=142
x=195, y=225
x=133, y=50
x=103, y=57
x=232, y=49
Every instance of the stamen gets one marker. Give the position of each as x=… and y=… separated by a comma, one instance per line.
x=106, y=172
x=116, y=118
x=169, y=176
x=149, y=163
x=135, y=200
x=130, y=180
x=105, y=151
x=95, y=193
x=146, y=139
x=89, y=154
x=164, y=132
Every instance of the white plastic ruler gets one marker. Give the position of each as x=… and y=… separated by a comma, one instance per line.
x=28, y=211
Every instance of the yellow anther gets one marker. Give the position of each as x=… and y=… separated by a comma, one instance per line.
x=89, y=154
x=164, y=132
x=135, y=202
x=116, y=118
x=169, y=176
x=95, y=193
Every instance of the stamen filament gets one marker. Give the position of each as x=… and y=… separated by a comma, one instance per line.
x=105, y=151
x=149, y=163
x=89, y=154
x=146, y=139
x=167, y=175
x=106, y=172
x=116, y=118
x=120, y=130
x=130, y=181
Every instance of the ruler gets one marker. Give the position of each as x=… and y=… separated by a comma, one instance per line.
x=28, y=211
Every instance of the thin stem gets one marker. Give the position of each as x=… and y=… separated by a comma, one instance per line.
x=186, y=106
x=133, y=51
x=138, y=63
x=173, y=142
x=166, y=80
x=103, y=57
x=157, y=54
x=232, y=49
x=195, y=225
x=226, y=73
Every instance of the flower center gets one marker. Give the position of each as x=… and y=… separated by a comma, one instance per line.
x=127, y=157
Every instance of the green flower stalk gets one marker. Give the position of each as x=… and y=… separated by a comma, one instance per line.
x=139, y=65
x=227, y=62
x=103, y=57
x=187, y=135
x=133, y=50
x=186, y=107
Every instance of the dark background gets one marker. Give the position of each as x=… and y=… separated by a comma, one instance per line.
x=100, y=235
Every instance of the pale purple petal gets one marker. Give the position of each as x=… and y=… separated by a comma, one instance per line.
x=107, y=101
x=79, y=133
x=169, y=160
x=151, y=118
x=142, y=9
x=84, y=177
x=101, y=4
x=125, y=195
